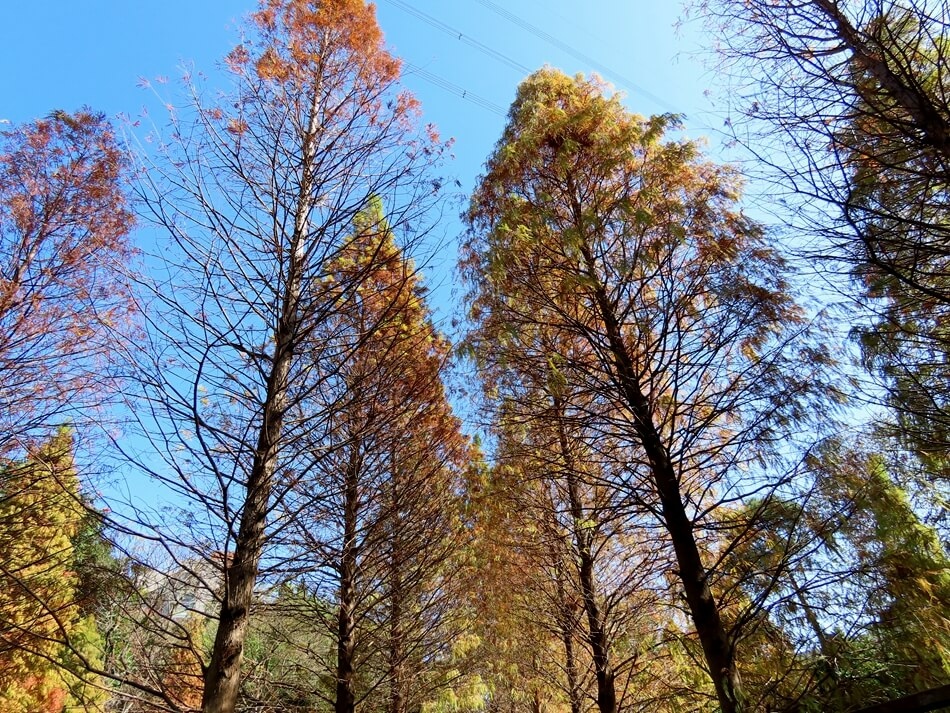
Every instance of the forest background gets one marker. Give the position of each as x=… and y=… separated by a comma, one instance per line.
x=727, y=439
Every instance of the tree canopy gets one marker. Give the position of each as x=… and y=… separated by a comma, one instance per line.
x=245, y=466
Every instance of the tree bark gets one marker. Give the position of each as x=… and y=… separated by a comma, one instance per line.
x=920, y=702
x=704, y=611
x=567, y=637
x=345, y=694
x=566, y=617
x=397, y=699
x=222, y=677
x=924, y=115
x=812, y=618
x=597, y=635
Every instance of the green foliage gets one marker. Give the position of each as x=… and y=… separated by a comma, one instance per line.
x=46, y=636
x=845, y=105
x=608, y=260
x=286, y=651
x=604, y=254
x=910, y=572
x=898, y=206
x=860, y=612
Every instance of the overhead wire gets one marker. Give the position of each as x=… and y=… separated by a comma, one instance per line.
x=501, y=57
x=461, y=36
x=457, y=90
x=576, y=54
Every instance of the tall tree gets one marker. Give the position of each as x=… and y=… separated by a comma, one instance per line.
x=64, y=224
x=384, y=535
x=588, y=222
x=46, y=637
x=898, y=571
x=258, y=193
x=521, y=624
x=857, y=614
x=577, y=527
x=846, y=104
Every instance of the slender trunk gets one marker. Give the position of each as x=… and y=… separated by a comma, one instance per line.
x=345, y=695
x=222, y=677
x=566, y=614
x=567, y=637
x=397, y=701
x=702, y=606
x=596, y=631
x=811, y=618
x=537, y=705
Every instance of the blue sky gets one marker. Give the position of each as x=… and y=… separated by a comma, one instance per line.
x=67, y=53
x=63, y=54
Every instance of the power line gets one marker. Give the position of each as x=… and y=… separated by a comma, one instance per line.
x=509, y=61
x=462, y=37
x=576, y=54
x=457, y=90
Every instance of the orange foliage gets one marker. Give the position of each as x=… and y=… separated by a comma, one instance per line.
x=307, y=51
x=299, y=34
x=184, y=674
x=63, y=228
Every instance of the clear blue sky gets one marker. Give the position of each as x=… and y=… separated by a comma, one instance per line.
x=67, y=53
x=62, y=54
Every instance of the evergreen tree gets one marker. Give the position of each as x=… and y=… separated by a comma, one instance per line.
x=47, y=637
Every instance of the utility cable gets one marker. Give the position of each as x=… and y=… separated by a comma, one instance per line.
x=457, y=90
x=568, y=49
x=461, y=36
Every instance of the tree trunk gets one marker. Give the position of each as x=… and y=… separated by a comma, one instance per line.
x=812, y=618
x=597, y=635
x=567, y=637
x=566, y=617
x=908, y=95
x=345, y=695
x=702, y=606
x=397, y=700
x=537, y=705
x=222, y=677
